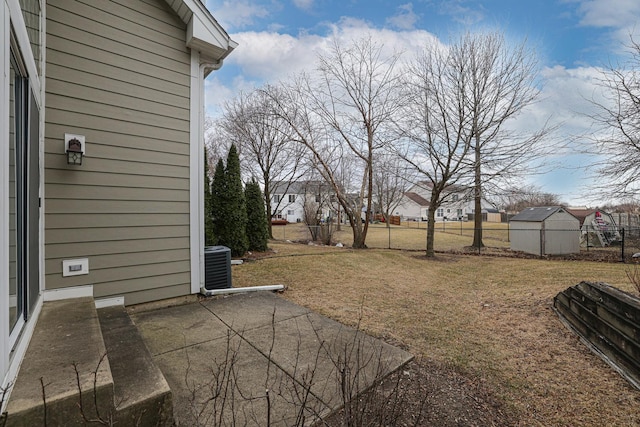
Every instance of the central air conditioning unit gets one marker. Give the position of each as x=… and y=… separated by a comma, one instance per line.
x=217, y=267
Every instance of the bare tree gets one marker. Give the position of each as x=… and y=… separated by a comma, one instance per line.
x=217, y=147
x=500, y=81
x=391, y=178
x=518, y=198
x=317, y=213
x=436, y=124
x=264, y=142
x=342, y=114
x=617, y=142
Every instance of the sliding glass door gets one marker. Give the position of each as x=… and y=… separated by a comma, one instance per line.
x=23, y=198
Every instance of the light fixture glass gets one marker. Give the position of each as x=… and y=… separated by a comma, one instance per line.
x=74, y=152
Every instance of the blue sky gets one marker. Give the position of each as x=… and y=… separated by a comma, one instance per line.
x=573, y=38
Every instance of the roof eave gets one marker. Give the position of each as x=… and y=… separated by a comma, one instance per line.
x=204, y=33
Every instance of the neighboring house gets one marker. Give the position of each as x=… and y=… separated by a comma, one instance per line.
x=412, y=206
x=458, y=204
x=545, y=231
x=288, y=199
x=123, y=81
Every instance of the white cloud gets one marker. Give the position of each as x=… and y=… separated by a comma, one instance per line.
x=237, y=13
x=461, y=13
x=567, y=94
x=621, y=17
x=303, y=4
x=405, y=19
x=609, y=13
x=270, y=56
x=565, y=100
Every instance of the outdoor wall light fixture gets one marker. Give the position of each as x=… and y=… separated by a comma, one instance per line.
x=74, y=146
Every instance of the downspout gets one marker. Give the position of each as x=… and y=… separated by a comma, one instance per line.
x=204, y=69
x=207, y=67
x=228, y=291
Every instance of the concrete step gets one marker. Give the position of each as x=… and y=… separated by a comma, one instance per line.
x=78, y=354
x=142, y=395
x=65, y=364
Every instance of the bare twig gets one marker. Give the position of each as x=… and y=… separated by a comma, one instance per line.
x=108, y=421
x=3, y=397
x=634, y=276
x=44, y=401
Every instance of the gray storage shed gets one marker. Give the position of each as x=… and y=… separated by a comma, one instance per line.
x=545, y=231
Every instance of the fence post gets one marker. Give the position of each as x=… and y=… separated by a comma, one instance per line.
x=587, y=228
x=622, y=247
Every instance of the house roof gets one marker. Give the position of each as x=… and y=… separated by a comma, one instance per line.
x=537, y=214
x=204, y=33
x=449, y=189
x=299, y=187
x=416, y=198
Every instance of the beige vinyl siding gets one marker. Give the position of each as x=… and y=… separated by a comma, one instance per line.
x=118, y=73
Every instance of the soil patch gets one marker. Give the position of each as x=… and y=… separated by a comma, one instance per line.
x=435, y=395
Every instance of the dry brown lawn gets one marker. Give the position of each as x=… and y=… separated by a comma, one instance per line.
x=490, y=318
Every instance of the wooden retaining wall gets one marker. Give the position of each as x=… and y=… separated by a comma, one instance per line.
x=608, y=319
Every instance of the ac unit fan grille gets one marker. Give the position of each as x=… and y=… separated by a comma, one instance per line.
x=217, y=267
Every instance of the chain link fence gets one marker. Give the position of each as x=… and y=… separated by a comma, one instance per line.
x=588, y=242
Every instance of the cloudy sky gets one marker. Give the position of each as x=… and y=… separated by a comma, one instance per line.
x=573, y=38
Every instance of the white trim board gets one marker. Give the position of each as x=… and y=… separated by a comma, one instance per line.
x=4, y=188
x=196, y=167
x=68, y=293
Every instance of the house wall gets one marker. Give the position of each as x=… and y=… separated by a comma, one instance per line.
x=293, y=212
x=407, y=208
x=118, y=72
x=281, y=209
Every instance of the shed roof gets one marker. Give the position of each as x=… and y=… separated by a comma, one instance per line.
x=537, y=214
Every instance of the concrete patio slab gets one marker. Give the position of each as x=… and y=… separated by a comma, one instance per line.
x=316, y=351
x=236, y=348
x=238, y=373
x=271, y=307
x=177, y=327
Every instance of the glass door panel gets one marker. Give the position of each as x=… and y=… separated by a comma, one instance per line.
x=15, y=308
x=24, y=201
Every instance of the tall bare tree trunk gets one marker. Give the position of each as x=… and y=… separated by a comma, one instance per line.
x=477, y=197
x=431, y=226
